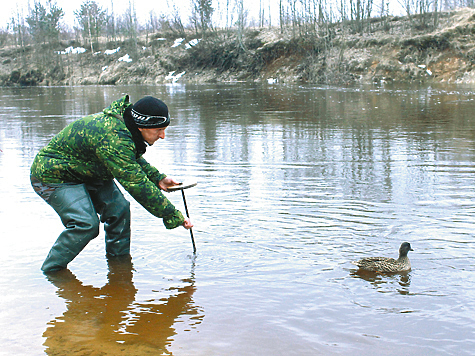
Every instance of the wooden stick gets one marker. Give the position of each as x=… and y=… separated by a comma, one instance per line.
x=188, y=216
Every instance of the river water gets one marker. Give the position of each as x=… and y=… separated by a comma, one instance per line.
x=294, y=183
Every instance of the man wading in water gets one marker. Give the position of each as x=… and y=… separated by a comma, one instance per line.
x=74, y=173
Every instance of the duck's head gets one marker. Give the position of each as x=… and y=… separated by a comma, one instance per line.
x=405, y=248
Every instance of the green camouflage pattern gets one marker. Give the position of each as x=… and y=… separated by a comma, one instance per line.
x=100, y=147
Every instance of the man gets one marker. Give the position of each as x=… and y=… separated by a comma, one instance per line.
x=74, y=173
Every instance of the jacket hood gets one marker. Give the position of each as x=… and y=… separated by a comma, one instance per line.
x=118, y=107
x=119, y=110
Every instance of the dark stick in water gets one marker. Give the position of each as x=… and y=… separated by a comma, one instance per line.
x=188, y=216
x=182, y=187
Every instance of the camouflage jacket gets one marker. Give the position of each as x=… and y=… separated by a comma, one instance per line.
x=100, y=147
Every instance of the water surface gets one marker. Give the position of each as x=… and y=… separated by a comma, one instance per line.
x=294, y=182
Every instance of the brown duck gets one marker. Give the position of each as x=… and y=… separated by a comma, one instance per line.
x=387, y=264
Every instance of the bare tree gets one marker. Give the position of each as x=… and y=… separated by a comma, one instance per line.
x=241, y=23
x=129, y=27
x=229, y=14
x=17, y=25
x=111, y=29
x=201, y=13
x=281, y=16
x=43, y=22
x=174, y=22
x=92, y=19
x=153, y=23
x=421, y=8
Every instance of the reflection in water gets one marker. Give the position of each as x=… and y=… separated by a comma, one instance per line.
x=105, y=320
x=400, y=281
x=294, y=182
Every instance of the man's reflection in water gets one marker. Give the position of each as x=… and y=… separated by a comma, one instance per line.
x=107, y=321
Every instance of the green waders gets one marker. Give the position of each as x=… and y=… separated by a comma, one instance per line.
x=78, y=206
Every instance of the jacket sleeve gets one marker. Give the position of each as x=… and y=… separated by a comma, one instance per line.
x=119, y=158
x=152, y=173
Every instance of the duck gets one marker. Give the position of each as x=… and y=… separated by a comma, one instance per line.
x=387, y=264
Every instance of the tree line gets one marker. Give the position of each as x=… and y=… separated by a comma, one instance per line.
x=41, y=24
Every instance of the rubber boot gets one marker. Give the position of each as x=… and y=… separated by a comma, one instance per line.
x=77, y=213
x=114, y=211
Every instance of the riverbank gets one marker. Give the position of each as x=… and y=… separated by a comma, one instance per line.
x=392, y=52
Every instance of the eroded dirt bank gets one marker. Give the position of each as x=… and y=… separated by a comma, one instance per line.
x=390, y=52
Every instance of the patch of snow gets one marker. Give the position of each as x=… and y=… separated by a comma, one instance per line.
x=170, y=75
x=174, y=78
x=72, y=50
x=111, y=51
x=178, y=42
x=125, y=58
x=192, y=43
x=422, y=66
x=104, y=68
x=271, y=80
x=429, y=71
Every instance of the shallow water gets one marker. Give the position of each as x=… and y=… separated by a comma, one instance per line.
x=294, y=182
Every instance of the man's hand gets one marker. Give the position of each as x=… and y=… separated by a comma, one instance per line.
x=166, y=182
x=187, y=224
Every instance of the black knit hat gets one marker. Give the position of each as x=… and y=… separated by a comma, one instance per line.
x=149, y=112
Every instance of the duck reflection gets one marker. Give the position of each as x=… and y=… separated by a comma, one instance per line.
x=108, y=321
x=381, y=280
